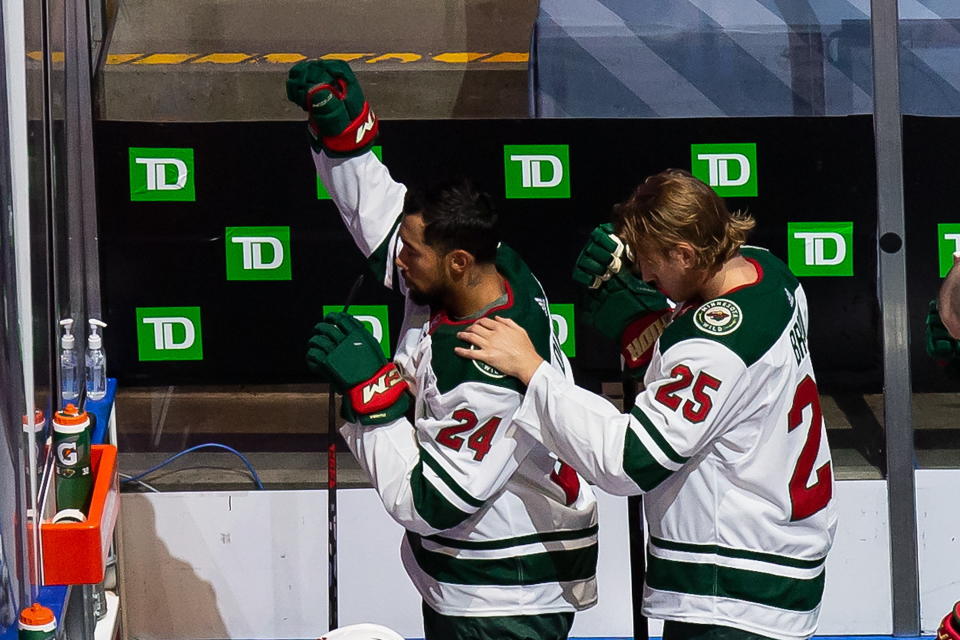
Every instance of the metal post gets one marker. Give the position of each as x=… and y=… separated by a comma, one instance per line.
x=892, y=272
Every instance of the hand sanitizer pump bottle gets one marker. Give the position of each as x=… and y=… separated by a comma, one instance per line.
x=96, y=362
x=69, y=364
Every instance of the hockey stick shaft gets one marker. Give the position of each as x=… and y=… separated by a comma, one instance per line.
x=638, y=561
x=333, y=608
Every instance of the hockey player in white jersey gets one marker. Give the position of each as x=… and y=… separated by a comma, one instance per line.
x=501, y=536
x=727, y=440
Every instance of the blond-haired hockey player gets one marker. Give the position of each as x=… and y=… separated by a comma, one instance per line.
x=727, y=440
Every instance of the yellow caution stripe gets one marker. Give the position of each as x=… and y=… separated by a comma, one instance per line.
x=220, y=58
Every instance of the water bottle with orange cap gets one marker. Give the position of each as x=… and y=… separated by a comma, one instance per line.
x=37, y=623
x=71, y=444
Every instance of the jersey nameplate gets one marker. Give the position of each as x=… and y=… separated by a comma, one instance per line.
x=718, y=317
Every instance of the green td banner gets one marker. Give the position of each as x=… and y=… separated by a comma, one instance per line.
x=562, y=319
x=161, y=175
x=169, y=333
x=258, y=253
x=820, y=248
x=536, y=170
x=731, y=169
x=948, y=242
x=376, y=317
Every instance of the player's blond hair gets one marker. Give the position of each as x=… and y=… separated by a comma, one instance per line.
x=673, y=207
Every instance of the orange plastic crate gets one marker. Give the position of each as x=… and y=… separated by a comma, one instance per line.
x=76, y=552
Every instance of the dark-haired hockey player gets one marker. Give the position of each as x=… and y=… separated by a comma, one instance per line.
x=501, y=536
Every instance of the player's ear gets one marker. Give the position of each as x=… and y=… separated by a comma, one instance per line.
x=685, y=255
x=459, y=261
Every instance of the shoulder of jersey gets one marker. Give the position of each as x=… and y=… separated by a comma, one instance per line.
x=749, y=320
x=527, y=307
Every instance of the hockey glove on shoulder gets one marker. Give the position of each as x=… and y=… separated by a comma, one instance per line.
x=340, y=120
x=345, y=354
x=618, y=304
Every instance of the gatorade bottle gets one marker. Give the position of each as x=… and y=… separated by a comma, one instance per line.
x=71, y=444
x=37, y=623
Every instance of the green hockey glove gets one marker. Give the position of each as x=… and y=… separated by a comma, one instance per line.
x=618, y=304
x=940, y=344
x=601, y=258
x=340, y=120
x=346, y=355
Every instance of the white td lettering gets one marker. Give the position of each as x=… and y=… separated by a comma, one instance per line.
x=956, y=240
x=253, y=252
x=719, y=168
x=163, y=332
x=560, y=328
x=376, y=327
x=157, y=175
x=814, y=244
x=532, y=173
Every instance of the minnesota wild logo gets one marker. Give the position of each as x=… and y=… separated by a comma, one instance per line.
x=486, y=369
x=718, y=317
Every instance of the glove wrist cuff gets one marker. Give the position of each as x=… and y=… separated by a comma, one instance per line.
x=380, y=392
x=640, y=336
x=358, y=135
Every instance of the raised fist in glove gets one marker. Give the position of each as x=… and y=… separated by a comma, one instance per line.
x=940, y=344
x=340, y=120
x=349, y=357
x=617, y=303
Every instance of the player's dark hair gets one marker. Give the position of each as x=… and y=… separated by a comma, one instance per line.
x=456, y=215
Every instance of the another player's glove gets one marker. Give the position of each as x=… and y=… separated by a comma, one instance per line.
x=950, y=627
x=349, y=357
x=940, y=344
x=617, y=303
x=340, y=121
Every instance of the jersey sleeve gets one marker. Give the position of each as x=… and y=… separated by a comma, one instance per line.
x=433, y=477
x=370, y=203
x=689, y=401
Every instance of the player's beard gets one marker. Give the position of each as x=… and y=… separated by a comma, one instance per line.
x=432, y=297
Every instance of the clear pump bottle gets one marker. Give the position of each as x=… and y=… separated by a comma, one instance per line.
x=96, y=362
x=69, y=364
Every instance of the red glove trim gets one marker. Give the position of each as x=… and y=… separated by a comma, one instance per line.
x=636, y=343
x=950, y=627
x=358, y=134
x=382, y=390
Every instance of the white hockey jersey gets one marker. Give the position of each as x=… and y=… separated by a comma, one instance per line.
x=496, y=524
x=729, y=444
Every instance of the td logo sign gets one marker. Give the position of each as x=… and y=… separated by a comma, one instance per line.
x=731, y=169
x=169, y=333
x=561, y=317
x=258, y=253
x=948, y=241
x=376, y=317
x=537, y=171
x=161, y=175
x=820, y=248
x=324, y=194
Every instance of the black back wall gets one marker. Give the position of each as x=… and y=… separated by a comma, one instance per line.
x=157, y=254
